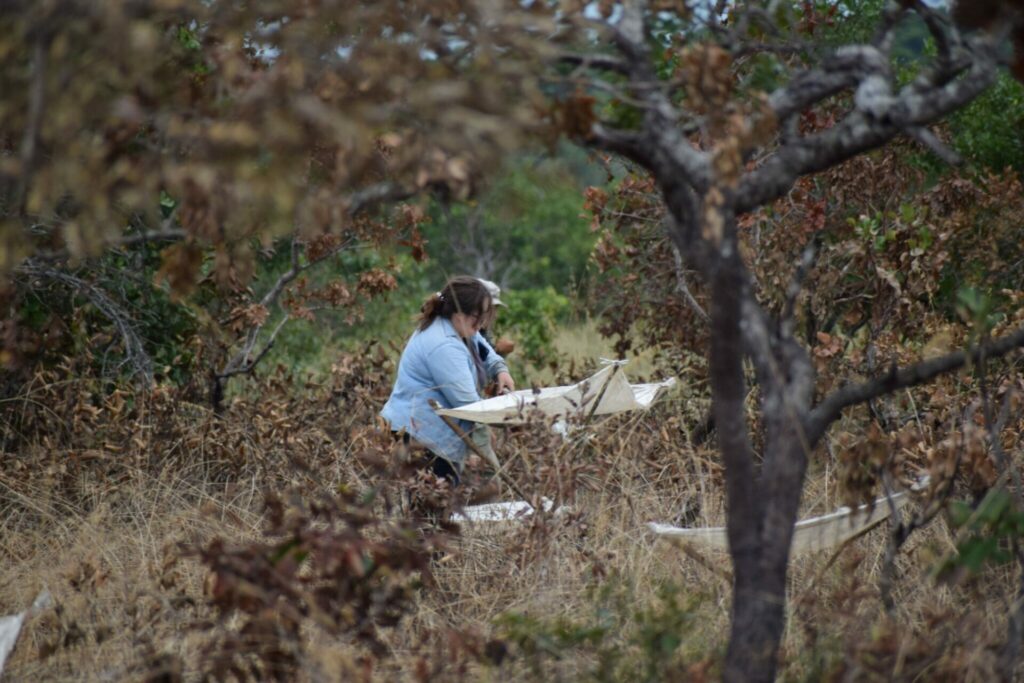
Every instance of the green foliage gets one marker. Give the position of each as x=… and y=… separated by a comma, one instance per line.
x=166, y=327
x=857, y=24
x=57, y=318
x=977, y=308
x=987, y=533
x=625, y=641
x=531, y=318
x=988, y=131
x=525, y=231
x=309, y=347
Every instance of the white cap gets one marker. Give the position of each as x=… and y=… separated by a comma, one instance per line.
x=494, y=290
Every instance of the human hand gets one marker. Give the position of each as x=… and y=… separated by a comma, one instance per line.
x=505, y=383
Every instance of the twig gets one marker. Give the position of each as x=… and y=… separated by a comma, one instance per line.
x=135, y=352
x=595, y=61
x=931, y=141
x=600, y=395
x=682, y=287
x=490, y=458
x=803, y=269
x=36, y=104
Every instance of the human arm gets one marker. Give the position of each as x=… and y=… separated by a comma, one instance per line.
x=451, y=373
x=497, y=368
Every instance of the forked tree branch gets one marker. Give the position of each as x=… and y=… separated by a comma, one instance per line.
x=683, y=287
x=860, y=131
x=245, y=360
x=661, y=145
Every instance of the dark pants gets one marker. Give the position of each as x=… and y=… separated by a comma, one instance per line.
x=441, y=467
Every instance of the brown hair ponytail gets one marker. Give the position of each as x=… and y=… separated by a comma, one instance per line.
x=461, y=294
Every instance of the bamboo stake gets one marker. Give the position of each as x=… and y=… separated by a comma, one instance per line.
x=491, y=458
x=600, y=395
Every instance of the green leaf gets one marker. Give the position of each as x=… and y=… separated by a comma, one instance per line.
x=187, y=38
x=975, y=551
x=993, y=507
x=167, y=204
x=907, y=213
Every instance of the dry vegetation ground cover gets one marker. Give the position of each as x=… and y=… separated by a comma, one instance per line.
x=274, y=540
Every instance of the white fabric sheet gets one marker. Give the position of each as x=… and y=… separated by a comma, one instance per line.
x=609, y=384
x=10, y=626
x=512, y=511
x=815, y=533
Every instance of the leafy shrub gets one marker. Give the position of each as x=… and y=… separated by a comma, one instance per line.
x=532, y=318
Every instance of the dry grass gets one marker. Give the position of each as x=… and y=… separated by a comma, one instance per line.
x=114, y=576
x=104, y=535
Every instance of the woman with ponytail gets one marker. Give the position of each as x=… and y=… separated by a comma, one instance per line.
x=446, y=360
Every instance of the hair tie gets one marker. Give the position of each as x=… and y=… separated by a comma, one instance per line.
x=440, y=296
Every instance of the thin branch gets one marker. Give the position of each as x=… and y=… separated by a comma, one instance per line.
x=750, y=48
x=595, y=61
x=885, y=34
x=293, y=272
x=945, y=37
x=248, y=367
x=135, y=352
x=163, y=234
x=243, y=362
x=683, y=288
x=630, y=144
x=830, y=409
x=36, y=104
x=803, y=269
x=932, y=142
x=380, y=193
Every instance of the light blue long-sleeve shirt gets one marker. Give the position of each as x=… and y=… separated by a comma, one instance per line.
x=436, y=365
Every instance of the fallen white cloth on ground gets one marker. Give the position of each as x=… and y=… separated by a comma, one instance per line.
x=608, y=388
x=10, y=626
x=512, y=511
x=815, y=533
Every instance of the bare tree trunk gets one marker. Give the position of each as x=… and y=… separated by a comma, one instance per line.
x=757, y=625
x=758, y=598
x=763, y=502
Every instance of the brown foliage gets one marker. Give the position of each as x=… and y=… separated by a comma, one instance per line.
x=252, y=119
x=332, y=562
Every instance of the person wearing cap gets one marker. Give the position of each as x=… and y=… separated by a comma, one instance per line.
x=502, y=346
x=494, y=290
x=446, y=360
